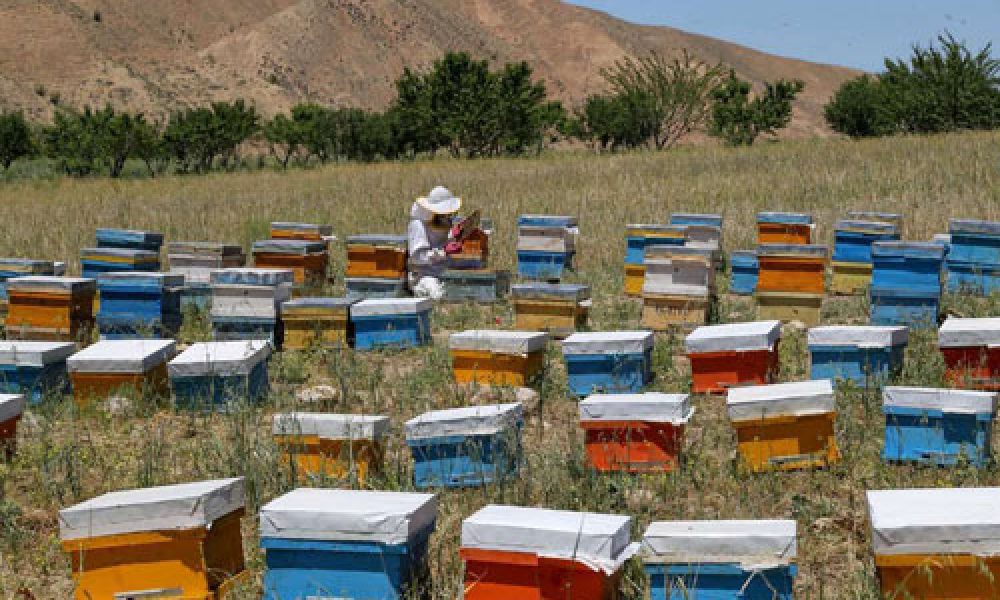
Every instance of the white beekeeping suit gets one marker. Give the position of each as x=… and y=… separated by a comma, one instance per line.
x=427, y=234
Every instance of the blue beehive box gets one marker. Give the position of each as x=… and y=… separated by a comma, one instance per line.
x=34, y=369
x=785, y=218
x=859, y=354
x=853, y=239
x=546, y=221
x=974, y=257
x=609, y=362
x=466, y=447
x=364, y=288
x=745, y=270
x=217, y=375
x=914, y=309
x=907, y=266
x=710, y=220
x=135, y=305
x=720, y=560
x=638, y=237
x=972, y=278
x=345, y=544
x=391, y=323
x=94, y=261
x=938, y=426
x=129, y=238
x=546, y=246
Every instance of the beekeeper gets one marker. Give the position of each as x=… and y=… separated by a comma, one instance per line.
x=430, y=222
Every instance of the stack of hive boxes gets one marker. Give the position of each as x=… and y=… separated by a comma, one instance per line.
x=34, y=369
x=559, y=309
x=469, y=278
x=122, y=250
x=906, y=283
x=940, y=427
x=703, y=231
x=339, y=446
x=852, y=253
x=637, y=239
x=376, y=266
x=546, y=246
x=196, y=261
x=679, y=287
x=19, y=267
x=49, y=308
x=307, y=259
x=246, y=303
x=974, y=257
x=218, y=375
x=791, y=284
x=136, y=305
x=323, y=322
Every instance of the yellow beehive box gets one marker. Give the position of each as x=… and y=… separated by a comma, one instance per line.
x=177, y=541
x=850, y=278
x=332, y=445
x=558, y=309
x=513, y=358
x=634, y=276
x=787, y=307
x=662, y=312
x=311, y=322
x=785, y=426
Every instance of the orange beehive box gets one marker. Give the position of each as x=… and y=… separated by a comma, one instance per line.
x=307, y=260
x=112, y=367
x=11, y=409
x=300, y=231
x=513, y=358
x=332, y=445
x=49, y=308
x=936, y=544
x=513, y=553
x=178, y=541
x=785, y=426
x=792, y=268
x=971, y=349
x=379, y=256
x=784, y=228
x=733, y=355
x=635, y=433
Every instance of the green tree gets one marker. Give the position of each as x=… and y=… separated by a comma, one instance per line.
x=16, y=140
x=200, y=138
x=72, y=141
x=858, y=109
x=740, y=120
x=614, y=122
x=285, y=138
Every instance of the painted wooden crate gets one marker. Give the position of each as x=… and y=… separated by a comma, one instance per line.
x=612, y=362
x=321, y=543
x=392, y=323
x=974, y=241
x=635, y=433
x=731, y=355
x=936, y=544
x=790, y=307
x=744, y=272
x=544, y=265
x=306, y=259
x=973, y=278
x=35, y=369
x=938, y=426
x=11, y=268
x=94, y=261
x=721, y=560
x=792, y=268
x=850, y=278
x=285, y=230
x=785, y=426
x=138, y=305
x=679, y=287
x=175, y=541
x=376, y=256
x=129, y=238
x=784, y=228
x=514, y=552
x=365, y=288
x=639, y=236
x=908, y=266
x=853, y=239
x=196, y=260
x=475, y=285
x=11, y=409
x=710, y=219
x=878, y=217
x=703, y=231
x=317, y=322
x=332, y=445
x=559, y=309
x=220, y=375
x=861, y=354
x=466, y=447
x=246, y=304
x=50, y=308
x=512, y=358
x=971, y=349
x=127, y=367
x=546, y=246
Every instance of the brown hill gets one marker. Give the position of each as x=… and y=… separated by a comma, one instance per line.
x=158, y=55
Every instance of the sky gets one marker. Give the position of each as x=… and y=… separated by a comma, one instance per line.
x=853, y=33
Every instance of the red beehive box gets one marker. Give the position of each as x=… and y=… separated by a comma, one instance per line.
x=514, y=553
x=971, y=349
x=11, y=409
x=635, y=433
x=733, y=355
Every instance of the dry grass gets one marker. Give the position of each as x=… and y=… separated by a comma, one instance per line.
x=66, y=457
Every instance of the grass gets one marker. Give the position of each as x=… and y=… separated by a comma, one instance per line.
x=67, y=456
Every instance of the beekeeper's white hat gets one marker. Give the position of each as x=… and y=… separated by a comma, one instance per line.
x=440, y=201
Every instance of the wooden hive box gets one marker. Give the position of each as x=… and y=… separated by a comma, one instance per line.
x=129, y=238
x=679, y=287
x=306, y=259
x=11, y=268
x=392, y=323
x=785, y=426
x=368, y=288
x=479, y=286
x=35, y=369
x=639, y=236
x=784, y=228
x=317, y=322
x=971, y=349
x=332, y=445
x=137, y=305
x=11, y=409
x=466, y=447
x=938, y=426
x=475, y=252
x=127, y=367
x=611, y=362
x=559, y=309
x=283, y=230
x=731, y=355
x=850, y=278
x=376, y=256
x=936, y=544
x=878, y=217
x=94, y=261
x=974, y=257
x=546, y=245
x=861, y=354
x=745, y=560
x=511, y=358
x=853, y=239
x=246, y=303
x=220, y=375
x=352, y=543
x=797, y=269
x=789, y=306
x=50, y=308
x=744, y=272
x=175, y=541
x=634, y=433
x=196, y=260
x=913, y=267
x=513, y=552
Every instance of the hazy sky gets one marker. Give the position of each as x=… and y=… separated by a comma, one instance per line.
x=855, y=33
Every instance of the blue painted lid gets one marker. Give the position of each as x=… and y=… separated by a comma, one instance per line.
x=789, y=218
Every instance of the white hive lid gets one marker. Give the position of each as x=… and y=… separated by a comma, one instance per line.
x=503, y=342
x=734, y=337
x=331, y=426
x=34, y=354
x=944, y=400
x=935, y=521
x=11, y=406
x=219, y=358
x=652, y=407
x=121, y=356
x=781, y=399
x=608, y=342
x=965, y=333
x=753, y=544
x=171, y=507
x=470, y=420
x=391, y=306
x=862, y=336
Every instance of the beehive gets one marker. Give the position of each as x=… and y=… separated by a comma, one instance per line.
x=679, y=287
x=971, y=349
x=94, y=261
x=784, y=228
x=306, y=259
x=635, y=433
x=479, y=286
x=466, y=447
x=391, y=323
x=974, y=256
x=246, y=303
x=852, y=253
x=785, y=426
x=11, y=409
x=797, y=269
x=475, y=252
x=283, y=230
x=879, y=217
x=332, y=445
x=906, y=283
x=862, y=354
x=736, y=354
x=746, y=560
x=939, y=427
x=129, y=238
x=559, y=309
x=196, y=261
x=11, y=268
x=936, y=544
x=112, y=367
x=637, y=238
x=376, y=256
x=703, y=231
x=34, y=369
x=137, y=305
x=175, y=541
x=367, y=288
x=546, y=246
x=745, y=270
x=612, y=362
x=312, y=322
x=514, y=358
x=50, y=308
x=513, y=552
x=345, y=543
x=219, y=375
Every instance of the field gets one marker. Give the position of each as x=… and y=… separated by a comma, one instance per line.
x=66, y=456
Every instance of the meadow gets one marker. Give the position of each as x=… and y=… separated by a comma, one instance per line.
x=66, y=456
